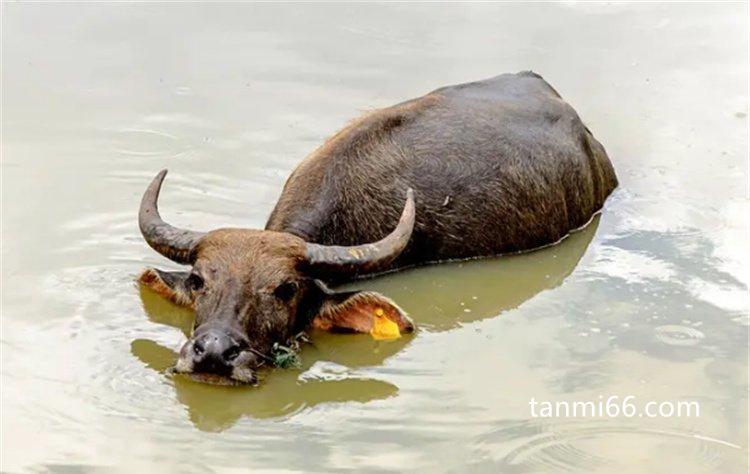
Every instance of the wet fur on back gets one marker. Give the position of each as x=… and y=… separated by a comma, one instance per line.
x=500, y=165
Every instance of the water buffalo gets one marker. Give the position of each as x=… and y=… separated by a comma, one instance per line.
x=478, y=169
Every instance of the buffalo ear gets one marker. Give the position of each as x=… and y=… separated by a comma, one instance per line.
x=363, y=312
x=170, y=285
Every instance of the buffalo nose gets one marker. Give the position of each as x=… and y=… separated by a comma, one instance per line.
x=214, y=351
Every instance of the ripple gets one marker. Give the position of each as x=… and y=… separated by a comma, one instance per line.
x=146, y=142
x=676, y=335
x=682, y=221
x=584, y=447
x=99, y=319
x=633, y=267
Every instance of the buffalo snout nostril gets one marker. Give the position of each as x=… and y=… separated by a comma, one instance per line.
x=232, y=353
x=215, y=351
x=198, y=348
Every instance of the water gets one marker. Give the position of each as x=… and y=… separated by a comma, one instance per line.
x=650, y=300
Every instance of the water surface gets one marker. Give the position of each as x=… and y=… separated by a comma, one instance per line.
x=649, y=300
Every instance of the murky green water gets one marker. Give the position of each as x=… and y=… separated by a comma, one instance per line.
x=650, y=300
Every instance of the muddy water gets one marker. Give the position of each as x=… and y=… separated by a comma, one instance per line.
x=650, y=300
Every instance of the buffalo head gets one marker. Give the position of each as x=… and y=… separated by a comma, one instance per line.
x=251, y=289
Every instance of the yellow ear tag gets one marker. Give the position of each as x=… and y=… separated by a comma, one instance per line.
x=384, y=328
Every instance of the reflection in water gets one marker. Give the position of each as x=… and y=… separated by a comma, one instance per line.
x=215, y=408
x=445, y=296
x=160, y=310
x=448, y=295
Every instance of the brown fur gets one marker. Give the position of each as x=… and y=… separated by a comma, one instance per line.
x=245, y=267
x=497, y=166
x=241, y=270
x=500, y=165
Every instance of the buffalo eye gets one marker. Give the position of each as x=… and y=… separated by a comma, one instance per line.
x=194, y=282
x=286, y=290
